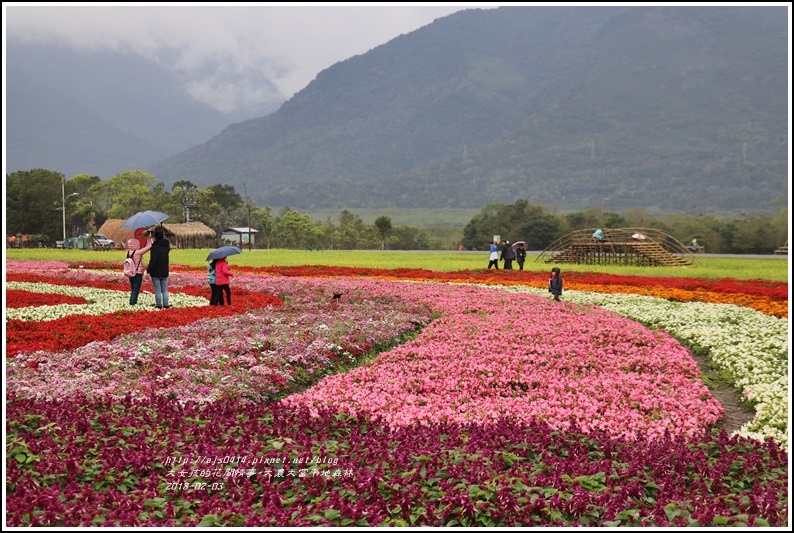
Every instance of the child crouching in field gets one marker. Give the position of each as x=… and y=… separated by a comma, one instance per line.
x=555, y=284
x=211, y=281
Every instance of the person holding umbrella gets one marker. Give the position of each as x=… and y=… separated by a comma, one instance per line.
x=222, y=279
x=521, y=253
x=221, y=274
x=158, y=268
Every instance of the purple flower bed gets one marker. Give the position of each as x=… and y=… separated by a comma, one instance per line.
x=84, y=462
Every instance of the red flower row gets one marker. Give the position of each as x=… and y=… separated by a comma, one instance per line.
x=77, y=330
x=773, y=290
x=768, y=297
x=16, y=299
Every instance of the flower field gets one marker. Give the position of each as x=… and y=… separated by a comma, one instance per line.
x=417, y=398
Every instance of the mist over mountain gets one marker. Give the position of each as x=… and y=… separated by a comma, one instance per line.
x=100, y=112
x=668, y=108
x=664, y=108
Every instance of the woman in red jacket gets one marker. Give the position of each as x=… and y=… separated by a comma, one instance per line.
x=222, y=276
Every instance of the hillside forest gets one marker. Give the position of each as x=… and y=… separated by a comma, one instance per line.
x=665, y=108
x=35, y=200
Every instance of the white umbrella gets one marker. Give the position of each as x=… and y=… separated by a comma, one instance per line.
x=144, y=219
x=639, y=237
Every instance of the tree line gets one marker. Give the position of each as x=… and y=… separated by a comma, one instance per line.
x=540, y=226
x=35, y=200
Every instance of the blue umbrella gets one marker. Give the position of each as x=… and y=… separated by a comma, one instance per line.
x=144, y=219
x=223, y=251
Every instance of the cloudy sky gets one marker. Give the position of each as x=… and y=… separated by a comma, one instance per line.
x=228, y=53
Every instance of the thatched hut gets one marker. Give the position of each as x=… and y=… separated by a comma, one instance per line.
x=112, y=230
x=186, y=235
x=190, y=235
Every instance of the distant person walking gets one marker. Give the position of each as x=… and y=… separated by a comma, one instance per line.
x=494, y=257
x=521, y=255
x=555, y=284
x=508, y=255
x=158, y=269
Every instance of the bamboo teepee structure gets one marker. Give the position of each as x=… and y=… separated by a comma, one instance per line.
x=619, y=246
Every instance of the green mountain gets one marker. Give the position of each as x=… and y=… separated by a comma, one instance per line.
x=662, y=108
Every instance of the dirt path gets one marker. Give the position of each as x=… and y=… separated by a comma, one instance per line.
x=736, y=413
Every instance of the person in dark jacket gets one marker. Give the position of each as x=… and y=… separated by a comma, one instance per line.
x=158, y=268
x=521, y=255
x=555, y=283
x=508, y=255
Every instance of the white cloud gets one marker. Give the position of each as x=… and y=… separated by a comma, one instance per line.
x=232, y=55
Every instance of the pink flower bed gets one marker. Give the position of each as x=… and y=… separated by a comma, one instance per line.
x=484, y=360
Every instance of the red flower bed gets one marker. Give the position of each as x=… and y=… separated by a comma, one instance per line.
x=77, y=330
x=776, y=290
x=773, y=290
x=770, y=297
x=16, y=299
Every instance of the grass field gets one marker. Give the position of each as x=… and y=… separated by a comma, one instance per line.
x=772, y=268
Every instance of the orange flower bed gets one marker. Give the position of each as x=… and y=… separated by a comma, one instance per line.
x=769, y=297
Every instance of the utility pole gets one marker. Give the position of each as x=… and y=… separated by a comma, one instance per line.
x=189, y=203
x=248, y=204
x=63, y=203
